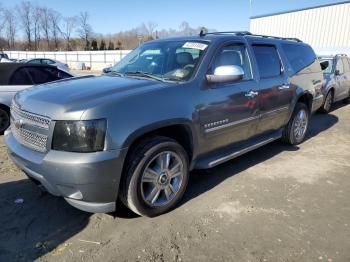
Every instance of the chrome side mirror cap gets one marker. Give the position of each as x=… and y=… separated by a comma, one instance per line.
x=225, y=74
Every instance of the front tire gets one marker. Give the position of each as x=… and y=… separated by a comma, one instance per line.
x=296, y=129
x=4, y=119
x=156, y=176
x=327, y=105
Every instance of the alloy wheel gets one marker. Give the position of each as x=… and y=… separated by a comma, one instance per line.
x=162, y=179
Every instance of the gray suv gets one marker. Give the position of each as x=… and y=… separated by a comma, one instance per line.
x=170, y=106
x=336, y=85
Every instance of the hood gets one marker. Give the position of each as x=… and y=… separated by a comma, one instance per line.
x=68, y=99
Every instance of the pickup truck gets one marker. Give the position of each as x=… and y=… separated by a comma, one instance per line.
x=170, y=106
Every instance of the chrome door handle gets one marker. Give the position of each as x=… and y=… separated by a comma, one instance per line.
x=251, y=94
x=282, y=87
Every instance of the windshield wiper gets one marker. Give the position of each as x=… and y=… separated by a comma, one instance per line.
x=144, y=74
x=115, y=73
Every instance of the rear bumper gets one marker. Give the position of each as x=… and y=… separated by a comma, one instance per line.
x=317, y=102
x=88, y=181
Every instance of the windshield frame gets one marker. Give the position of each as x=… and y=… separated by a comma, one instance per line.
x=195, y=69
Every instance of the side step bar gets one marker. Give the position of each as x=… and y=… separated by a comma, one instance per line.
x=238, y=151
x=241, y=152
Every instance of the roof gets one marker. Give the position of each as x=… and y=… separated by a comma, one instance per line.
x=298, y=10
x=7, y=69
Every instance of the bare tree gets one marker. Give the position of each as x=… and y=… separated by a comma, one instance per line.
x=45, y=24
x=150, y=27
x=36, y=26
x=68, y=26
x=25, y=16
x=10, y=27
x=55, y=19
x=85, y=30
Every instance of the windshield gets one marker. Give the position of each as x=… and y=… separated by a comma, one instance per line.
x=167, y=60
x=329, y=68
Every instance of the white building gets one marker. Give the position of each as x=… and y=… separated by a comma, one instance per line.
x=326, y=28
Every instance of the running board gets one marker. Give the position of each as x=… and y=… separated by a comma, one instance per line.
x=238, y=151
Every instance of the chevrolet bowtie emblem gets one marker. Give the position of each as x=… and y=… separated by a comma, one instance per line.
x=19, y=124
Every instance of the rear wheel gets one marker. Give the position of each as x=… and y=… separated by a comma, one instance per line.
x=4, y=119
x=327, y=105
x=156, y=176
x=296, y=129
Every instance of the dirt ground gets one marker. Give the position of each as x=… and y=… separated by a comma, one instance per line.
x=278, y=203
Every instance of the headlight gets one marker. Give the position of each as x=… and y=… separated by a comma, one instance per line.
x=79, y=136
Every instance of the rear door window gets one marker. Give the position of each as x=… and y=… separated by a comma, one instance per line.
x=268, y=60
x=40, y=75
x=299, y=56
x=34, y=61
x=20, y=77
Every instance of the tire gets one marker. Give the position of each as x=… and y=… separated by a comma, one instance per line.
x=4, y=119
x=155, y=192
x=290, y=135
x=328, y=101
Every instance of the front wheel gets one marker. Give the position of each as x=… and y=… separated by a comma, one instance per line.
x=296, y=129
x=4, y=120
x=156, y=176
x=327, y=105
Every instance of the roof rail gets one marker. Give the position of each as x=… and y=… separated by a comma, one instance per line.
x=341, y=55
x=247, y=33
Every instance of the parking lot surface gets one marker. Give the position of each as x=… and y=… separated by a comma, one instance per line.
x=278, y=203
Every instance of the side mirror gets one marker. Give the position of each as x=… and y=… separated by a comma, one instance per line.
x=106, y=70
x=225, y=74
x=324, y=65
x=336, y=72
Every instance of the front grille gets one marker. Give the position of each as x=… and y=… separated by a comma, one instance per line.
x=29, y=129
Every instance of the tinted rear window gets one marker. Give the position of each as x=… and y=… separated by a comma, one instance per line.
x=268, y=60
x=20, y=77
x=299, y=56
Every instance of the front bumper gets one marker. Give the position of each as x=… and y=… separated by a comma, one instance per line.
x=88, y=181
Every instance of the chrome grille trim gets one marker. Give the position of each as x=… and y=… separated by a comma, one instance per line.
x=33, y=129
x=30, y=118
x=30, y=139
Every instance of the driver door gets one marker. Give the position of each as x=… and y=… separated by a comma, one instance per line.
x=230, y=111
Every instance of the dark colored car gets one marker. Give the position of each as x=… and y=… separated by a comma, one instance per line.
x=168, y=107
x=336, y=87
x=15, y=77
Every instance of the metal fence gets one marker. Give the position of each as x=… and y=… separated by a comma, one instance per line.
x=95, y=60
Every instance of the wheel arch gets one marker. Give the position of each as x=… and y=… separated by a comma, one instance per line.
x=180, y=130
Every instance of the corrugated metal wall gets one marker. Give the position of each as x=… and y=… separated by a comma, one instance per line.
x=323, y=28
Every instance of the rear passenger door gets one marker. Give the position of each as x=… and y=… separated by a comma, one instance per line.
x=275, y=94
x=339, y=78
x=346, y=65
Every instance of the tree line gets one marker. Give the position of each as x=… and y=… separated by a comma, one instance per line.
x=33, y=27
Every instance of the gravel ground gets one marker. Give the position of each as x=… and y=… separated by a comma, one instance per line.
x=278, y=203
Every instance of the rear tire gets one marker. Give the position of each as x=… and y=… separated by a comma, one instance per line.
x=155, y=177
x=327, y=105
x=296, y=129
x=4, y=119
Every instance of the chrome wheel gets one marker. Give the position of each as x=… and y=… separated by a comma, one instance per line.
x=162, y=179
x=300, y=124
x=328, y=102
x=4, y=120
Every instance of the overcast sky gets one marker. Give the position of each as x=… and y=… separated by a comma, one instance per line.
x=111, y=16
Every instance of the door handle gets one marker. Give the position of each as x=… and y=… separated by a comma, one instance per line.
x=251, y=94
x=282, y=87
